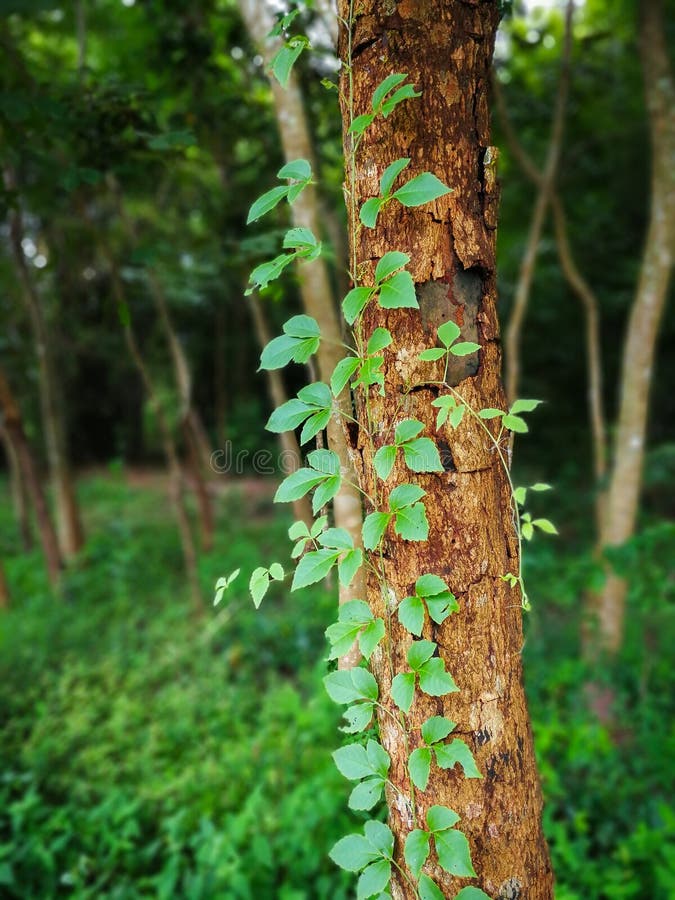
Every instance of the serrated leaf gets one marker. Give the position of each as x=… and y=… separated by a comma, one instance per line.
x=441, y=606
x=515, y=423
x=430, y=586
x=302, y=327
x=398, y=292
x=277, y=572
x=379, y=339
x=258, y=585
x=448, y=755
x=436, y=729
x=314, y=425
x=405, y=495
x=421, y=455
x=453, y=852
x=288, y=416
x=341, y=636
x=380, y=837
x=366, y=794
x=378, y=758
x=389, y=263
x=373, y=879
x=352, y=762
x=419, y=766
x=403, y=689
x=365, y=683
x=420, y=190
x=313, y=567
x=407, y=430
x=296, y=170
x=519, y=406
x=429, y=890
x=434, y=680
x=464, y=348
x=349, y=565
x=432, y=354
x=411, y=615
x=269, y=271
x=411, y=523
x=353, y=853
x=370, y=637
x=383, y=88
x=439, y=818
x=457, y=415
x=300, y=239
x=325, y=491
x=355, y=611
x=342, y=373
x=374, y=527
x=297, y=484
x=419, y=652
x=281, y=350
x=416, y=850
x=390, y=175
x=354, y=303
x=370, y=210
x=383, y=461
x=340, y=687
x=336, y=539
x=448, y=332
x=358, y=717
x=266, y=202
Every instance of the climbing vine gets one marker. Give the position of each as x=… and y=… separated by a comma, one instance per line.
x=321, y=549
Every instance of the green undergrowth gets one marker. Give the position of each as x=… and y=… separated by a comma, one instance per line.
x=146, y=753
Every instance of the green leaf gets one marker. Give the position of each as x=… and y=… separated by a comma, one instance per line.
x=545, y=525
x=440, y=818
x=348, y=685
x=341, y=636
x=515, y=423
x=383, y=461
x=355, y=302
x=380, y=837
x=370, y=210
x=366, y=794
x=390, y=175
x=277, y=571
x=325, y=492
x=365, y=683
x=296, y=170
x=411, y=615
x=349, y=565
x=261, y=276
x=285, y=58
x=407, y=430
x=471, y=893
x=419, y=652
x=370, y=637
x=374, y=879
x=448, y=332
x=258, y=585
x=297, y=484
x=342, y=373
x=379, y=339
x=405, y=495
x=490, y=413
x=361, y=123
x=464, y=348
x=353, y=853
x=314, y=425
x=416, y=850
x=519, y=495
x=299, y=238
x=355, y=611
x=519, y=406
x=411, y=523
x=374, y=528
x=358, y=717
x=398, y=292
x=430, y=586
x=336, y=539
x=541, y=486
x=389, y=263
x=313, y=567
x=453, y=852
x=266, y=202
x=288, y=416
x=457, y=415
x=428, y=890
x=324, y=461
x=378, y=758
x=352, y=762
x=441, y=606
x=448, y=755
x=436, y=729
x=403, y=689
x=419, y=766
x=527, y=530
x=421, y=455
x=279, y=352
x=422, y=189
x=403, y=93
x=383, y=88
x=432, y=354
x=434, y=680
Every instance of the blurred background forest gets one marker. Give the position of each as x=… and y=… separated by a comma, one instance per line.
x=153, y=745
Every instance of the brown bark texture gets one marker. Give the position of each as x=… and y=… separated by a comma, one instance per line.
x=68, y=522
x=13, y=425
x=315, y=288
x=446, y=49
x=607, y=608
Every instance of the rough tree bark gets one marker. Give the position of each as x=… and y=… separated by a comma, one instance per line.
x=446, y=48
x=315, y=289
x=607, y=608
x=13, y=425
x=288, y=441
x=68, y=521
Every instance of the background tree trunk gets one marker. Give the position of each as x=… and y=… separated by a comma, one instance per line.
x=607, y=607
x=446, y=48
x=17, y=489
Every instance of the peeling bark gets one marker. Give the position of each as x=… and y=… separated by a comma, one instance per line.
x=446, y=49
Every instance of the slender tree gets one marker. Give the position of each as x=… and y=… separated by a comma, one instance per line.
x=446, y=50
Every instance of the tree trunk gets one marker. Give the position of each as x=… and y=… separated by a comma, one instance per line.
x=446, y=49
x=607, y=608
x=288, y=441
x=14, y=427
x=68, y=522
x=317, y=297
x=4, y=589
x=18, y=490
